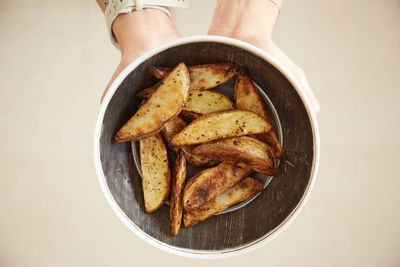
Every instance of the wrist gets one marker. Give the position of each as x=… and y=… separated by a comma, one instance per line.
x=142, y=30
x=245, y=18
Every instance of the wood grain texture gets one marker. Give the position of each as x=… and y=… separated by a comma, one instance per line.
x=229, y=230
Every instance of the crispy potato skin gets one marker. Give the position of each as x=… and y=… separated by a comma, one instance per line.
x=245, y=152
x=163, y=105
x=176, y=202
x=203, y=76
x=248, y=98
x=156, y=175
x=210, y=183
x=221, y=124
x=147, y=93
x=242, y=191
x=204, y=102
x=173, y=127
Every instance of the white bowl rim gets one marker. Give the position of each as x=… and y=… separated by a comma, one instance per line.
x=193, y=253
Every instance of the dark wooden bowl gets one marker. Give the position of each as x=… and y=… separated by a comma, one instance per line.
x=229, y=233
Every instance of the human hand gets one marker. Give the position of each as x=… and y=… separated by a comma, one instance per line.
x=139, y=32
x=253, y=22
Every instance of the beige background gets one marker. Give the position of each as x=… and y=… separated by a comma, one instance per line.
x=55, y=61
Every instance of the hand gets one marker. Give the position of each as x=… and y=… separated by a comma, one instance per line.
x=253, y=23
x=139, y=32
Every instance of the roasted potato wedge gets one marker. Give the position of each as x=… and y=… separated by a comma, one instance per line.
x=203, y=76
x=221, y=124
x=147, y=93
x=210, y=75
x=242, y=191
x=156, y=176
x=173, y=127
x=176, y=202
x=248, y=98
x=197, y=160
x=159, y=72
x=245, y=152
x=210, y=183
x=163, y=105
x=204, y=102
x=272, y=140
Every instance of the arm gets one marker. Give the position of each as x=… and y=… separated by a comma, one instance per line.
x=253, y=21
x=139, y=32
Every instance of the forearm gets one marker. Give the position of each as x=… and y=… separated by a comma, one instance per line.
x=245, y=17
x=142, y=30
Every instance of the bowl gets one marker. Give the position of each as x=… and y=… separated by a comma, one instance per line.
x=243, y=228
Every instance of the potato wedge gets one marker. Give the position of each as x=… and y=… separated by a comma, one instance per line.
x=176, y=203
x=163, y=105
x=272, y=140
x=221, y=124
x=244, y=152
x=248, y=98
x=159, y=72
x=203, y=76
x=147, y=93
x=204, y=102
x=242, y=191
x=173, y=127
x=210, y=183
x=197, y=160
x=156, y=176
x=210, y=75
